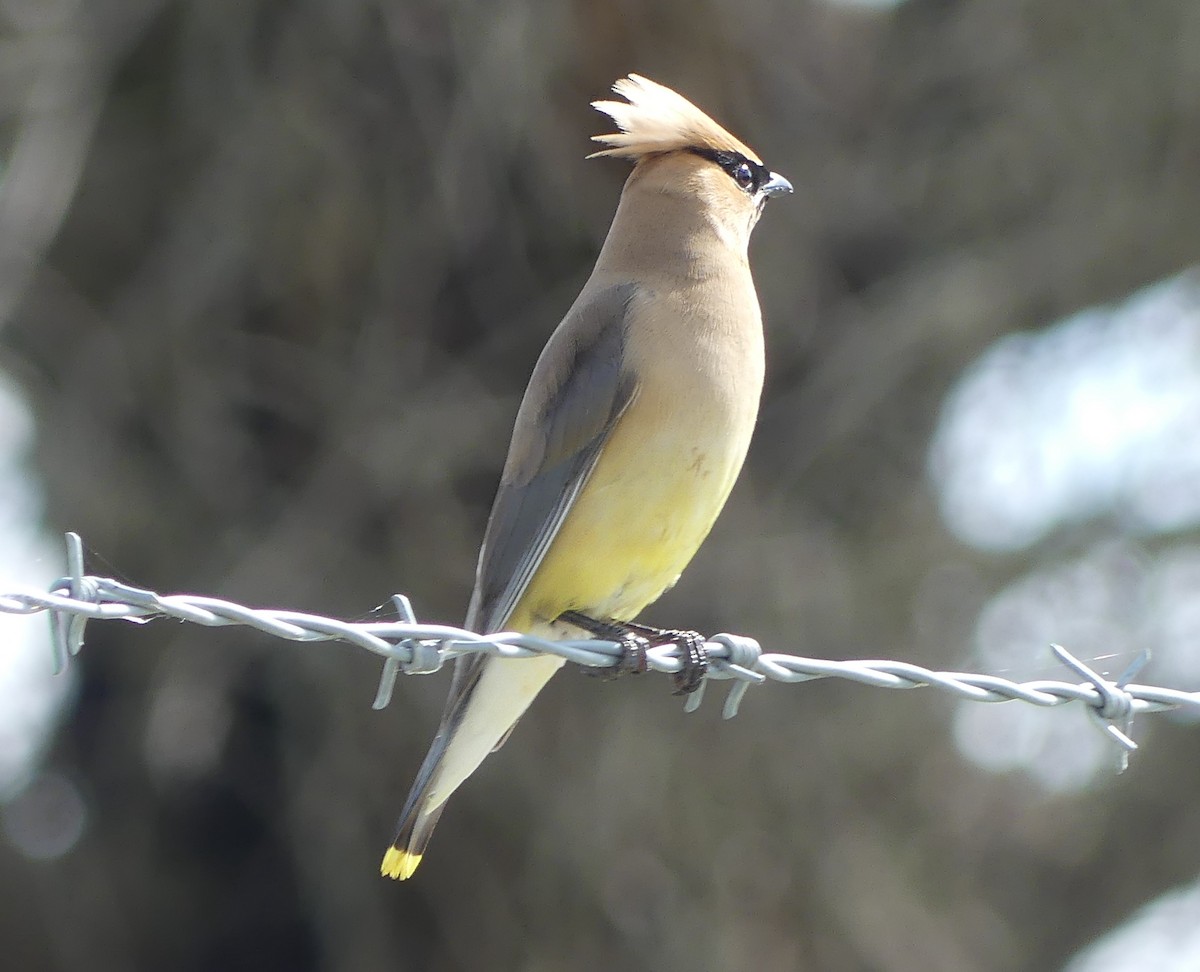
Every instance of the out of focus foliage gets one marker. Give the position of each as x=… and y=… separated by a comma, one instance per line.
x=273, y=274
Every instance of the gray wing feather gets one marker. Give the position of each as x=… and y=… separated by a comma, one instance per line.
x=579, y=389
x=564, y=423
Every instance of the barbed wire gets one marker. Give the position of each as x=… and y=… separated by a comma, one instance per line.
x=411, y=647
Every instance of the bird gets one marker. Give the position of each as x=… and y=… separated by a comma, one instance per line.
x=631, y=432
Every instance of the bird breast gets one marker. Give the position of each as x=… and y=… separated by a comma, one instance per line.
x=673, y=457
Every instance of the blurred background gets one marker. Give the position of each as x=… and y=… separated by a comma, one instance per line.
x=273, y=274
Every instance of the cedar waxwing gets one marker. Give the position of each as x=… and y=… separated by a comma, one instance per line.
x=630, y=436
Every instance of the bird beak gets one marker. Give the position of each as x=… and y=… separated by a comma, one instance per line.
x=776, y=184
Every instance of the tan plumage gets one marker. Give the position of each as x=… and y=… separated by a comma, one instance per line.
x=632, y=430
x=659, y=120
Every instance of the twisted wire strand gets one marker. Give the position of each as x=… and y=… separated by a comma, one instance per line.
x=412, y=647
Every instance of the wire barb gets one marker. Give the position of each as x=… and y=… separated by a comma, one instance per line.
x=1113, y=708
x=413, y=648
x=66, y=630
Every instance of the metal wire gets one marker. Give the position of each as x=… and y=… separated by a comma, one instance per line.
x=414, y=648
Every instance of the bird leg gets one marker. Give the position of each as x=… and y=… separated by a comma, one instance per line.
x=693, y=661
x=633, y=646
x=637, y=638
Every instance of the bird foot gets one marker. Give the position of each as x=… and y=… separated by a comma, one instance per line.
x=633, y=646
x=633, y=655
x=637, y=639
x=693, y=661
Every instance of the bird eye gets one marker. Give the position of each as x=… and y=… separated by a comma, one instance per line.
x=743, y=175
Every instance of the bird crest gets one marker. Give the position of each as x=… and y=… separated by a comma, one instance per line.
x=657, y=119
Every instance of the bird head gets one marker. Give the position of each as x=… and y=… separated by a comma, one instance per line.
x=678, y=150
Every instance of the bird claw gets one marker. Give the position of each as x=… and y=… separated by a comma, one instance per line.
x=633, y=659
x=635, y=641
x=693, y=660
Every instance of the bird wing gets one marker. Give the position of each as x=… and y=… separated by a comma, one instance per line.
x=578, y=392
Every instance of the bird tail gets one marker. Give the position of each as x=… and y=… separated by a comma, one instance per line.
x=417, y=819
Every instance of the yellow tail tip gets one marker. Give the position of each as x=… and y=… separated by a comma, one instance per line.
x=399, y=864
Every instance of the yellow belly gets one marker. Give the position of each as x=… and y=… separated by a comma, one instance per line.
x=650, y=502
